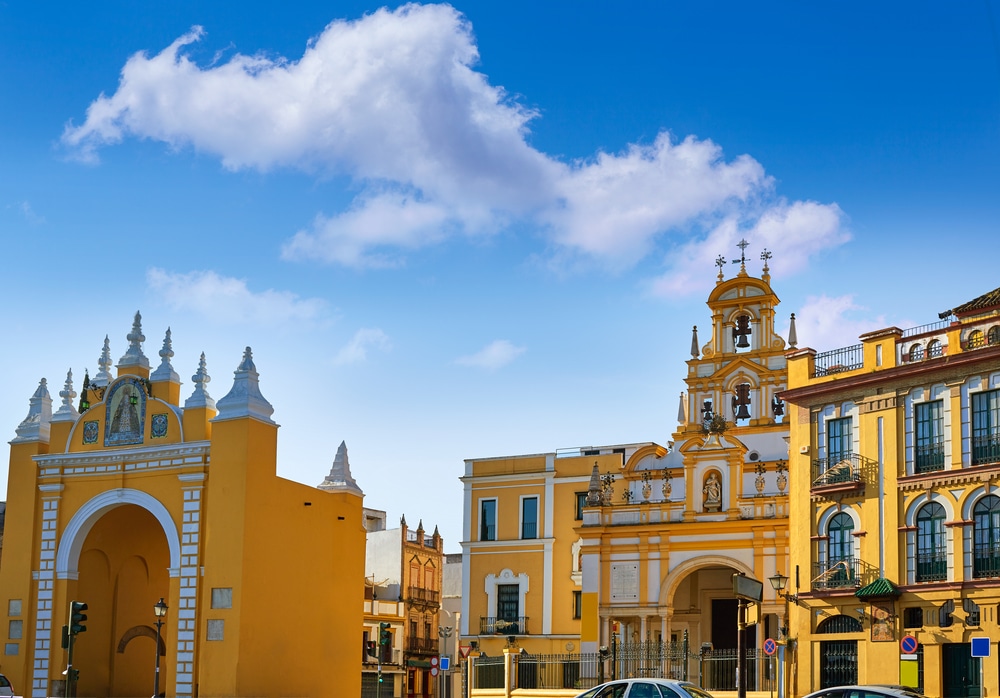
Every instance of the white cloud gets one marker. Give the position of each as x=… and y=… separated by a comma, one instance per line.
x=792, y=232
x=357, y=349
x=824, y=323
x=228, y=300
x=393, y=100
x=493, y=356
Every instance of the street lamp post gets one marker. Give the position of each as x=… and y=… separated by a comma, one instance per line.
x=444, y=632
x=159, y=610
x=778, y=583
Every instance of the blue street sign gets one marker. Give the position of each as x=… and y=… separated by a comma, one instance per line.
x=445, y=663
x=980, y=647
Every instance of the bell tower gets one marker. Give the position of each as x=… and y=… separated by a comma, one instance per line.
x=737, y=374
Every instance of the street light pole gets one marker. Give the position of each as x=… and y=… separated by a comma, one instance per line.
x=159, y=610
x=444, y=631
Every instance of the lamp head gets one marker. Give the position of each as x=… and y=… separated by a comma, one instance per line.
x=160, y=608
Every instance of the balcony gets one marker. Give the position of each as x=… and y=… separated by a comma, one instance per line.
x=848, y=573
x=424, y=596
x=932, y=566
x=842, y=473
x=985, y=562
x=501, y=626
x=838, y=360
x=929, y=457
x=986, y=449
x=422, y=645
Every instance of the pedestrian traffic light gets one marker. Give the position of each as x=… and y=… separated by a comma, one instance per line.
x=77, y=617
x=380, y=676
x=371, y=648
x=384, y=636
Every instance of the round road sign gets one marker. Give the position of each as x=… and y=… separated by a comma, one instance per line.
x=908, y=644
x=770, y=646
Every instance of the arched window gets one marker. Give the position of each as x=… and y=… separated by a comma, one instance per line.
x=917, y=352
x=986, y=531
x=932, y=560
x=838, y=659
x=993, y=336
x=840, y=551
x=976, y=339
x=934, y=348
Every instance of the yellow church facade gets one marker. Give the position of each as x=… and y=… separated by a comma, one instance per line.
x=638, y=543
x=131, y=497
x=895, y=464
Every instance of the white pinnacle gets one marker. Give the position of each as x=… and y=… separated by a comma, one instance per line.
x=67, y=413
x=104, y=377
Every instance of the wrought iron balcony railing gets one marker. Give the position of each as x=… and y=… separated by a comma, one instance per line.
x=502, y=626
x=986, y=449
x=843, y=469
x=932, y=566
x=849, y=572
x=985, y=562
x=845, y=359
x=929, y=457
x=422, y=645
x=428, y=596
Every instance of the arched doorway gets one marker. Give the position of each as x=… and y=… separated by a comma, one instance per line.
x=838, y=659
x=122, y=570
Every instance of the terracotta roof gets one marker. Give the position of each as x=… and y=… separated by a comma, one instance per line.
x=987, y=300
x=880, y=588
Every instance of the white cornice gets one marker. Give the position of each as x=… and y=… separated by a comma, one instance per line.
x=173, y=455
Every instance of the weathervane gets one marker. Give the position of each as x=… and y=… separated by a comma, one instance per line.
x=720, y=262
x=765, y=255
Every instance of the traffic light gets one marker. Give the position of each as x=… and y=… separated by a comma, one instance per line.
x=77, y=617
x=371, y=648
x=65, y=637
x=380, y=676
x=384, y=636
x=72, y=674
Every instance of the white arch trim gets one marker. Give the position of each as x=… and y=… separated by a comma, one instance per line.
x=673, y=579
x=71, y=542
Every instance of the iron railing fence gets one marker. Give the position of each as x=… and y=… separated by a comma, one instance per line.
x=489, y=625
x=718, y=670
x=487, y=672
x=667, y=660
x=985, y=449
x=843, y=573
x=563, y=671
x=932, y=566
x=842, y=468
x=844, y=359
x=985, y=562
x=930, y=327
x=930, y=457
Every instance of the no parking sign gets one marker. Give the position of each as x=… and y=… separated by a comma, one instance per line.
x=908, y=644
x=770, y=646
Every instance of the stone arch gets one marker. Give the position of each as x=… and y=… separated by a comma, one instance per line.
x=668, y=587
x=73, y=537
x=141, y=631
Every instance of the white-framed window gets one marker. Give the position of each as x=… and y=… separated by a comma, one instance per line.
x=487, y=519
x=505, y=597
x=529, y=517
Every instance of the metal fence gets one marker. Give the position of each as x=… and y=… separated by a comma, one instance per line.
x=570, y=671
x=718, y=670
x=714, y=670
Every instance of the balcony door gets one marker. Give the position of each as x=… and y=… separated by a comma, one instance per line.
x=840, y=548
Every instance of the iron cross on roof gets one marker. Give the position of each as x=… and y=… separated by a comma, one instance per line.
x=742, y=244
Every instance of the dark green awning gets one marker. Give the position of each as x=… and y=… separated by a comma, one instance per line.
x=419, y=663
x=879, y=589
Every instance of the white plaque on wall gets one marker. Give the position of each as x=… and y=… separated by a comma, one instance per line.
x=625, y=581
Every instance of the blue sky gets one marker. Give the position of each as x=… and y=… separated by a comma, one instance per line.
x=482, y=229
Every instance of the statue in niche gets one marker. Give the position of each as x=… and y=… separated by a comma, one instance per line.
x=713, y=493
x=125, y=415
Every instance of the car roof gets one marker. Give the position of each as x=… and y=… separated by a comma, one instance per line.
x=885, y=689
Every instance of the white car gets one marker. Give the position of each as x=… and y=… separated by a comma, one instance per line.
x=646, y=688
x=5, y=688
x=873, y=691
